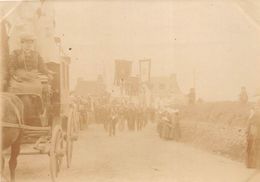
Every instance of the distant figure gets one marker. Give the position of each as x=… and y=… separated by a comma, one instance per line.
x=113, y=121
x=139, y=118
x=106, y=117
x=145, y=116
x=253, y=138
x=177, y=129
x=121, y=117
x=192, y=96
x=243, y=97
x=131, y=117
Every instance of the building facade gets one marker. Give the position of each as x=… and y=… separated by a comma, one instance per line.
x=166, y=90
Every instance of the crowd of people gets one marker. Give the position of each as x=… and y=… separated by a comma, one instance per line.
x=121, y=115
x=168, y=126
x=134, y=117
x=114, y=115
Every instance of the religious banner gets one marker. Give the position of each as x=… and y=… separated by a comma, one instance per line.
x=122, y=71
x=145, y=70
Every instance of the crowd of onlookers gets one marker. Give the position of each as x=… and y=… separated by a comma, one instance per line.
x=113, y=114
x=120, y=115
x=168, y=126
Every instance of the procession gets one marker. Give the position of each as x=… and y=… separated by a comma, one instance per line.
x=130, y=91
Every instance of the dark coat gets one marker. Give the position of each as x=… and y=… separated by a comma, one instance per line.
x=33, y=61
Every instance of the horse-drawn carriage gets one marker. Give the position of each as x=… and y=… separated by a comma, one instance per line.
x=52, y=133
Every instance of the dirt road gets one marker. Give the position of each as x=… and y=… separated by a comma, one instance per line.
x=135, y=157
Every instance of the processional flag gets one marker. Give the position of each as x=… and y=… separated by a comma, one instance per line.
x=145, y=70
x=123, y=70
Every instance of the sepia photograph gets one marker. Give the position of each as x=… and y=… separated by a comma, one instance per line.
x=130, y=90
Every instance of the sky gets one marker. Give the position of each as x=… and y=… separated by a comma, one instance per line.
x=217, y=41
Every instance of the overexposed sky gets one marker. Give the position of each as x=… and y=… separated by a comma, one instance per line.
x=219, y=39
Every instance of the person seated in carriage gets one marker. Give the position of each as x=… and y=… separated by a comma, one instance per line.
x=28, y=78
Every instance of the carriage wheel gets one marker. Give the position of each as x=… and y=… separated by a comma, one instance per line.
x=56, y=152
x=69, y=139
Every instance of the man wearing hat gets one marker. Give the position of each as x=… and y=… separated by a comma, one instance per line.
x=25, y=64
x=253, y=136
x=26, y=59
x=243, y=97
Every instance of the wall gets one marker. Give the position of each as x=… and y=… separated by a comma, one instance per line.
x=217, y=127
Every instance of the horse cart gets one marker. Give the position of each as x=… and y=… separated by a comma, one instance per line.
x=54, y=131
